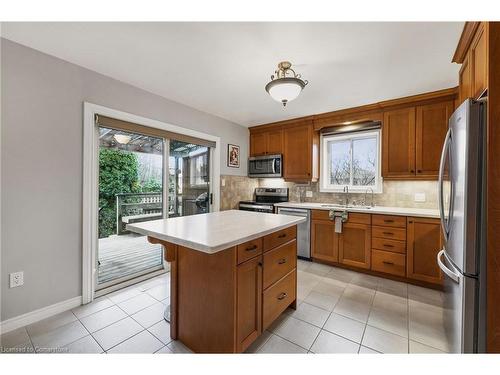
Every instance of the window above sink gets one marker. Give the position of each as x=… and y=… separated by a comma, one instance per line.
x=351, y=160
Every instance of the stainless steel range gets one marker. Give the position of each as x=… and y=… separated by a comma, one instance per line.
x=265, y=199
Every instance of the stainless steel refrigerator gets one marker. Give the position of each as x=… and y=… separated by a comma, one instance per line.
x=462, y=196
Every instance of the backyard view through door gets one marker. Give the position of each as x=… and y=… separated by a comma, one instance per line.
x=133, y=162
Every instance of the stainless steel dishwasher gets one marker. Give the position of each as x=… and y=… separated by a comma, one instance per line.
x=303, y=230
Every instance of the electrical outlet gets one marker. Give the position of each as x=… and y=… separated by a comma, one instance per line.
x=223, y=182
x=16, y=279
x=419, y=197
x=309, y=194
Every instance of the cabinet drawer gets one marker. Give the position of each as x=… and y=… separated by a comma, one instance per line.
x=354, y=217
x=249, y=249
x=280, y=237
x=278, y=297
x=387, y=262
x=389, y=221
x=389, y=233
x=320, y=214
x=278, y=262
x=389, y=245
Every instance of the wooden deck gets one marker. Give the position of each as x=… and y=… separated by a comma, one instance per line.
x=126, y=255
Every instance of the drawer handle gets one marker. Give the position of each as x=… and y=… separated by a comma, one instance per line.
x=385, y=245
x=282, y=235
x=388, y=221
x=388, y=233
x=282, y=261
x=282, y=296
x=387, y=262
x=251, y=248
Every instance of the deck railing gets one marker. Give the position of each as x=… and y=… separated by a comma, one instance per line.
x=137, y=207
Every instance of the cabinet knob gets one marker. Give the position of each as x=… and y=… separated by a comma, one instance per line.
x=282, y=261
x=282, y=235
x=282, y=296
x=412, y=171
x=251, y=248
x=419, y=171
x=388, y=263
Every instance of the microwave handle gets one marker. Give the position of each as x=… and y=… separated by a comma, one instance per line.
x=274, y=165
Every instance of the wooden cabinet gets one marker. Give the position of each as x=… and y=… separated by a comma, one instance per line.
x=398, y=143
x=465, y=80
x=249, y=291
x=423, y=242
x=355, y=242
x=268, y=142
x=412, y=140
x=300, y=152
x=479, y=60
x=324, y=241
x=431, y=127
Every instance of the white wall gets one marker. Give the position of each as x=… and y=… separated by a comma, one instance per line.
x=42, y=158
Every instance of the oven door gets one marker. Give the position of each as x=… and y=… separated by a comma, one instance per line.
x=265, y=166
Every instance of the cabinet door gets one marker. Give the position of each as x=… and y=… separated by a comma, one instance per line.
x=258, y=143
x=298, y=152
x=398, y=144
x=355, y=245
x=479, y=60
x=249, y=302
x=431, y=127
x=275, y=142
x=423, y=243
x=324, y=241
x=465, y=80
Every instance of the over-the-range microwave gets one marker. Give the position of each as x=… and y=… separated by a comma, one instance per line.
x=265, y=166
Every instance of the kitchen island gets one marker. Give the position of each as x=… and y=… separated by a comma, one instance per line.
x=232, y=274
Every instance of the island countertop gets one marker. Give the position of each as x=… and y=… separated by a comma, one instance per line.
x=215, y=231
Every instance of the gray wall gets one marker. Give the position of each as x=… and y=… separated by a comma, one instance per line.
x=42, y=161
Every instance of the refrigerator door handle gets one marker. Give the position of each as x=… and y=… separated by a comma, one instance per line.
x=451, y=274
x=444, y=153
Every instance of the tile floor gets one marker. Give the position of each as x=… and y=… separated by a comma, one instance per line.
x=339, y=311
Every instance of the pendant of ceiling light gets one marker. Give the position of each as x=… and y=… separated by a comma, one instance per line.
x=285, y=84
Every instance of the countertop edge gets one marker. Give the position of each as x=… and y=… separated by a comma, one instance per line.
x=211, y=249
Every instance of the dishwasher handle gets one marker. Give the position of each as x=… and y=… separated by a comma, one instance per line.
x=294, y=212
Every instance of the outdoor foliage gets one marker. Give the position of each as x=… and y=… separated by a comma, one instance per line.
x=118, y=173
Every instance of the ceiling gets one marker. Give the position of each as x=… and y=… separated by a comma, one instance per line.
x=222, y=68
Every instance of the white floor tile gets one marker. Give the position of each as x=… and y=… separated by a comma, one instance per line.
x=137, y=303
x=103, y=318
x=124, y=294
x=150, y=315
x=178, y=347
x=319, y=269
x=329, y=287
x=161, y=331
x=159, y=292
x=345, y=327
x=341, y=275
x=117, y=332
x=365, y=281
x=416, y=347
x=143, y=342
x=303, y=265
x=14, y=338
x=278, y=345
x=50, y=324
x=389, y=320
x=148, y=284
x=365, y=350
x=425, y=295
x=426, y=325
x=311, y=314
x=352, y=309
x=359, y=293
x=164, y=350
x=259, y=342
x=392, y=287
x=298, y=332
x=330, y=343
x=85, y=345
x=51, y=341
x=383, y=341
x=322, y=301
x=98, y=304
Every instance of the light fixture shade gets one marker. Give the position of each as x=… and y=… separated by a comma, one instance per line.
x=285, y=90
x=122, y=138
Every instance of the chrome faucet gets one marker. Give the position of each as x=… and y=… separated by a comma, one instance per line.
x=366, y=192
x=346, y=194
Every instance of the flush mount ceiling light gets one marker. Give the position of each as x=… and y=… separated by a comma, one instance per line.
x=122, y=138
x=285, y=84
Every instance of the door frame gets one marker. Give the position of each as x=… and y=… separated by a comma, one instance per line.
x=90, y=197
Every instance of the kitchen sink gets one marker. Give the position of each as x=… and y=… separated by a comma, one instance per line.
x=341, y=206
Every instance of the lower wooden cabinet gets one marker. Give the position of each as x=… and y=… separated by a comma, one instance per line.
x=355, y=245
x=324, y=241
x=424, y=241
x=249, y=289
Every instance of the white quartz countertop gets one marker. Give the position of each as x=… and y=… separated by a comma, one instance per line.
x=215, y=231
x=400, y=211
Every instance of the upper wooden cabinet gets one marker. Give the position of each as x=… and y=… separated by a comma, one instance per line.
x=465, y=80
x=431, y=127
x=300, y=152
x=398, y=143
x=424, y=241
x=266, y=142
x=479, y=59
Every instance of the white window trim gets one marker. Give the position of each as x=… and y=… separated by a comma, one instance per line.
x=324, y=188
x=91, y=177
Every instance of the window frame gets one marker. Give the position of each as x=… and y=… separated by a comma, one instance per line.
x=326, y=187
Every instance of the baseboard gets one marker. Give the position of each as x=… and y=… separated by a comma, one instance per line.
x=43, y=313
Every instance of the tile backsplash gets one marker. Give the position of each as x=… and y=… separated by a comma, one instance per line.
x=395, y=193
